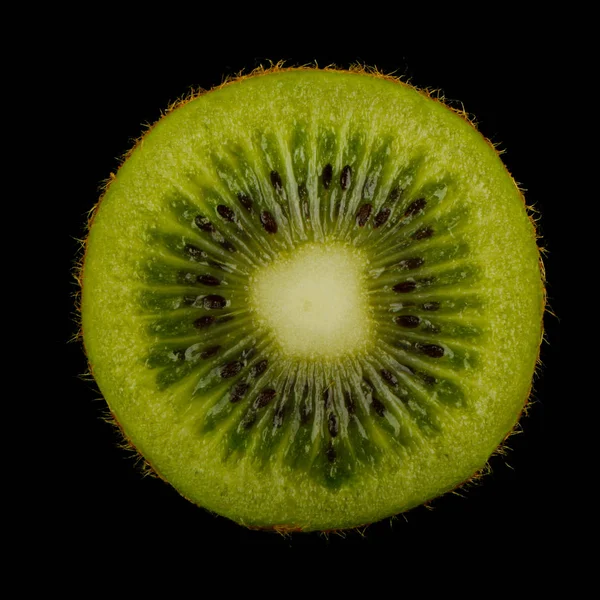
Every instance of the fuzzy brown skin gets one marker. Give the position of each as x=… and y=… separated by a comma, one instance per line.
x=142, y=463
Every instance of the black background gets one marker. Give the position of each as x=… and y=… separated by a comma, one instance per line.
x=106, y=86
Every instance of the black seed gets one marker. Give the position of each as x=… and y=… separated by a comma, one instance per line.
x=415, y=207
x=332, y=425
x=208, y=280
x=405, y=286
x=227, y=245
x=224, y=319
x=421, y=234
x=378, y=407
x=411, y=263
x=194, y=252
x=394, y=195
x=363, y=214
x=231, y=369
x=203, y=322
x=350, y=407
x=410, y=321
x=264, y=398
x=259, y=368
x=245, y=201
x=389, y=377
x=276, y=181
x=214, y=302
x=278, y=417
x=327, y=175
x=226, y=213
x=432, y=350
x=238, y=391
x=249, y=420
x=346, y=177
x=431, y=305
x=209, y=352
x=204, y=224
x=330, y=453
x=268, y=221
x=382, y=216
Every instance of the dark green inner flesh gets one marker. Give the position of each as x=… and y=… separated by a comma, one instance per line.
x=324, y=418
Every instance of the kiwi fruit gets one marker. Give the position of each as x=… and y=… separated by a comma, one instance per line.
x=313, y=298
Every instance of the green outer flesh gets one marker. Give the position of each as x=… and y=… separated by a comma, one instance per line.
x=502, y=242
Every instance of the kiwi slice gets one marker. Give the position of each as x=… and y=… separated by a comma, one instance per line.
x=313, y=299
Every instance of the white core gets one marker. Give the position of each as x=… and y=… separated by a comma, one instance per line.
x=314, y=301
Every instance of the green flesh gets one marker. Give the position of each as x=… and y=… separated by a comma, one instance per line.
x=312, y=299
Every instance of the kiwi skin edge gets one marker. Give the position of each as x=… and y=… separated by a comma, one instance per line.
x=260, y=72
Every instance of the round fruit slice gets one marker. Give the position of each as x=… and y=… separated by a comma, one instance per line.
x=312, y=299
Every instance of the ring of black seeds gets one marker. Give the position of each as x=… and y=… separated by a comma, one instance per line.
x=252, y=381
